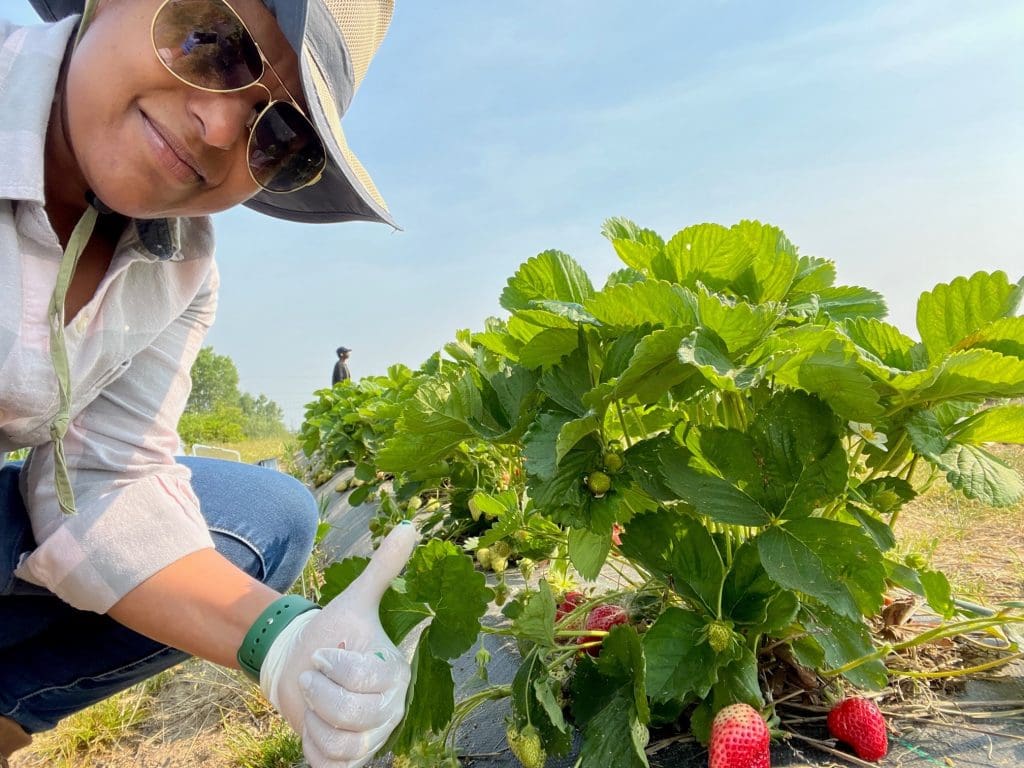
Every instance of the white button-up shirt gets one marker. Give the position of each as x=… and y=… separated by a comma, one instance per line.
x=130, y=351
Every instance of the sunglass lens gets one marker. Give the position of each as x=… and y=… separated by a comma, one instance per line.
x=205, y=44
x=285, y=152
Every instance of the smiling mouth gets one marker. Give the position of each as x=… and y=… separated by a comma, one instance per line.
x=172, y=152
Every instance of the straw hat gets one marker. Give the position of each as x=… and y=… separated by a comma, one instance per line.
x=335, y=41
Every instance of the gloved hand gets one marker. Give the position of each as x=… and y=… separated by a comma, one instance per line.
x=334, y=674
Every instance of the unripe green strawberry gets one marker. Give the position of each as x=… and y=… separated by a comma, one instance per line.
x=432, y=506
x=498, y=564
x=501, y=549
x=916, y=560
x=739, y=739
x=342, y=486
x=599, y=483
x=500, y=593
x=474, y=509
x=612, y=461
x=719, y=636
x=859, y=722
x=414, y=503
x=483, y=556
x=526, y=746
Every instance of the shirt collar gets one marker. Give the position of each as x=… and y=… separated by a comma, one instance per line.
x=30, y=61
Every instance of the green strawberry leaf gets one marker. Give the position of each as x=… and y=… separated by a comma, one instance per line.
x=680, y=662
x=950, y=312
x=430, y=702
x=445, y=579
x=534, y=702
x=803, y=555
x=680, y=549
x=551, y=275
x=841, y=640
x=536, y=620
x=609, y=703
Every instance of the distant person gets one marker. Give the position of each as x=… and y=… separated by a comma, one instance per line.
x=341, y=371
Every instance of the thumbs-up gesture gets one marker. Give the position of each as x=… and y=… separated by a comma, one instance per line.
x=335, y=675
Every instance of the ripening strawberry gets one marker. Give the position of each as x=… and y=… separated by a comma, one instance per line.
x=739, y=739
x=617, y=534
x=859, y=722
x=602, y=619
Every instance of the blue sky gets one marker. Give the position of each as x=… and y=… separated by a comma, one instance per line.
x=885, y=136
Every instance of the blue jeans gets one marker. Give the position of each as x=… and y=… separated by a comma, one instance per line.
x=56, y=660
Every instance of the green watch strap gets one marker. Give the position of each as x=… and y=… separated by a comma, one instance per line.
x=264, y=631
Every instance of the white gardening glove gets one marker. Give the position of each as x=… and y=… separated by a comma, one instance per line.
x=334, y=674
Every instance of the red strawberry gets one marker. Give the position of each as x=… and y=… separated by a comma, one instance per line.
x=602, y=618
x=858, y=722
x=739, y=739
x=570, y=602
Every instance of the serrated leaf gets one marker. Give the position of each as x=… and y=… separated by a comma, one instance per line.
x=710, y=495
x=430, y=702
x=588, y=551
x=533, y=702
x=679, y=662
x=832, y=561
x=566, y=382
x=1005, y=336
x=548, y=347
x=537, y=620
x=980, y=475
x=773, y=265
x=847, y=302
x=680, y=549
x=738, y=324
x=704, y=252
x=706, y=352
x=652, y=302
x=549, y=275
x=446, y=580
x=844, y=640
x=882, y=340
x=624, y=276
x=812, y=275
x=572, y=432
x=833, y=374
x=748, y=590
x=655, y=367
x=610, y=703
x=974, y=373
x=999, y=424
x=952, y=311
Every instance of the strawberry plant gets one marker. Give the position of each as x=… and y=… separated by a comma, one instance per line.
x=727, y=432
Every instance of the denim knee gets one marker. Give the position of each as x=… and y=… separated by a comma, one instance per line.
x=263, y=520
x=291, y=513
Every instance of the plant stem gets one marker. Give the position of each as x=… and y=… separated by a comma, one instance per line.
x=622, y=421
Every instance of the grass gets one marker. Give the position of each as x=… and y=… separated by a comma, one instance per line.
x=980, y=548
x=100, y=728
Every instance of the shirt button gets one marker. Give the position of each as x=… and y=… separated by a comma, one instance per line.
x=82, y=323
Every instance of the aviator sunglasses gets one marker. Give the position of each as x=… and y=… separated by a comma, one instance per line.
x=206, y=45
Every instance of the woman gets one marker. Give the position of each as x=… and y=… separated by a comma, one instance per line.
x=121, y=130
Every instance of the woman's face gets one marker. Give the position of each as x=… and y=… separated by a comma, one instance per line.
x=147, y=144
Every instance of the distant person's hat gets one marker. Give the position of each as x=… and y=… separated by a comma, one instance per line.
x=343, y=350
x=335, y=41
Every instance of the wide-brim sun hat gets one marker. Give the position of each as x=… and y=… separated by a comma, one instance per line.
x=335, y=40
